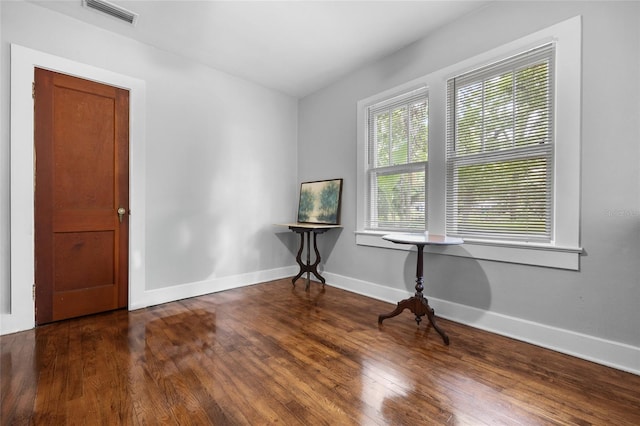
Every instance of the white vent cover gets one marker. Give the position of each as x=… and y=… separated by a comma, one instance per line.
x=111, y=10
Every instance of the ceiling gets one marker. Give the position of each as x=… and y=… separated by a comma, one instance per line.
x=296, y=47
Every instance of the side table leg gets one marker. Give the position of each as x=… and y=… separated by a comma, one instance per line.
x=432, y=320
x=314, y=267
x=307, y=266
x=299, y=260
x=402, y=305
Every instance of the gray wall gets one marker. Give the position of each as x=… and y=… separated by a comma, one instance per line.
x=602, y=298
x=220, y=153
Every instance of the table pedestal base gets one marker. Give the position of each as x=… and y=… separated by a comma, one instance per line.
x=417, y=303
x=419, y=306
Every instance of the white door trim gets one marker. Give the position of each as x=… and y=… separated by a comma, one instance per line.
x=23, y=62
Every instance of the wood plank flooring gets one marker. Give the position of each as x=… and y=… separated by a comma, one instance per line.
x=274, y=354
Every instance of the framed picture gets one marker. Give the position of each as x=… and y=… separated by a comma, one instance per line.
x=320, y=202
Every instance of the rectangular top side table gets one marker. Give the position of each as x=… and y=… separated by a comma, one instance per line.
x=418, y=304
x=308, y=229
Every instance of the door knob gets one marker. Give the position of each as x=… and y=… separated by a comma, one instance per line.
x=121, y=212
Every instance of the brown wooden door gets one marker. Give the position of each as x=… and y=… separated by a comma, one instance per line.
x=81, y=180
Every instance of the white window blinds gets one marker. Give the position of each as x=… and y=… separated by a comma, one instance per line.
x=500, y=149
x=396, y=175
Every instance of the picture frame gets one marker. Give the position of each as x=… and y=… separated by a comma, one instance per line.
x=320, y=202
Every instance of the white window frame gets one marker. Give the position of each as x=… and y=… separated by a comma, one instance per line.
x=408, y=167
x=564, y=250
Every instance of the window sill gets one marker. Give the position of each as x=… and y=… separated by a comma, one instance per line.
x=546, y=255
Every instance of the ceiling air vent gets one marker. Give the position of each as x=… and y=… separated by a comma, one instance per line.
x=111, y=10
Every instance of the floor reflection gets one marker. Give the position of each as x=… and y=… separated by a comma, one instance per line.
x=381, y=383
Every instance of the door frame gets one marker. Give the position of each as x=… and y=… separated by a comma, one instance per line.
x=23, y=61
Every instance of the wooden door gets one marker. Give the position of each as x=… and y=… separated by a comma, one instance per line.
x=81, y=181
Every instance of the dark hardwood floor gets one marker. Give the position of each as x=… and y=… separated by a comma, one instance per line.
x=273, y=354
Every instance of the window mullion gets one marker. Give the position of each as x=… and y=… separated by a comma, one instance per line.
x=513, y=110
x=483, y=118
x=408, y=132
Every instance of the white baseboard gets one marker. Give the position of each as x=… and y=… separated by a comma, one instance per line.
x=187, y=290
x=24, y=319
x=606, y=352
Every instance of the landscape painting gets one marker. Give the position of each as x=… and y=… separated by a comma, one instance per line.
x=320, y=202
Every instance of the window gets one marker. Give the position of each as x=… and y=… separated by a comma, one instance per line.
x=503, y=171
x=397, y=134
x=500, y=150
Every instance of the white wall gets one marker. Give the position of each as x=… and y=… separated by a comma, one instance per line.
x=592, y=313
x=220, y=160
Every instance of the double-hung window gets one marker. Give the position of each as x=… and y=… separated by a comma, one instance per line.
x=500, y=145
x=396, y=166
x=503, y=167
